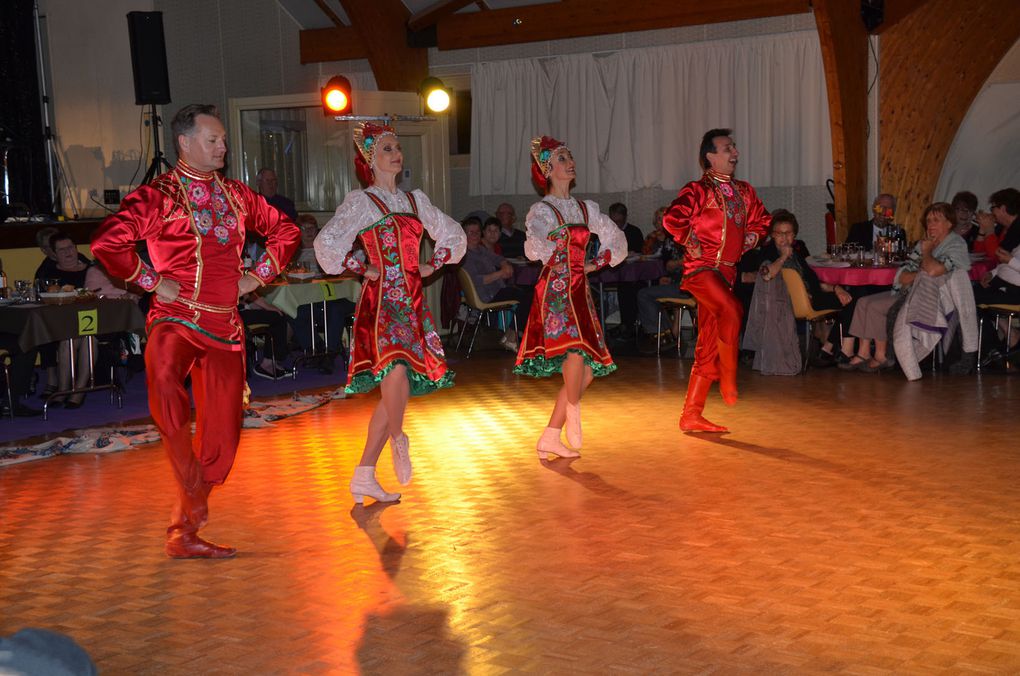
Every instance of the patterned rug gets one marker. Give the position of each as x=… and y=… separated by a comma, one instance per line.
x=119, y=438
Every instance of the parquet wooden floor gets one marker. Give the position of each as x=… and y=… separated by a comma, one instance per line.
x=849, y=523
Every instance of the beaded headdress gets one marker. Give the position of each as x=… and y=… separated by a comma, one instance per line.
x=542, y=149
x=366, y=137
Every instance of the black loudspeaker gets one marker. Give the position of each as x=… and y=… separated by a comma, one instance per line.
x=148, y=58
x=872, y=13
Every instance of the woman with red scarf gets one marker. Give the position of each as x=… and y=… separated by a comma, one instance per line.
x=563, y=332
x=395, y=345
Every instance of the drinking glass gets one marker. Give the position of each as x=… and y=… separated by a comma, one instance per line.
x=21, y=288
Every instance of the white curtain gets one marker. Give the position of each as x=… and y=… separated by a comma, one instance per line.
x=634, y=118
x=983, y=157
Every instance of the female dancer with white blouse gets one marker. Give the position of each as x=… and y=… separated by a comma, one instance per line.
x=395, y=343
x=563, y=332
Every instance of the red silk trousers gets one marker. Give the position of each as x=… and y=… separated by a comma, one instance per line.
x=719, y=317
x=217, y=383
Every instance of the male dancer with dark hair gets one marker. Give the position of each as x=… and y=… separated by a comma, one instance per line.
x=716, y=219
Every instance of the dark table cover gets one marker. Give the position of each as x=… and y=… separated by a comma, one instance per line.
x=38, y=324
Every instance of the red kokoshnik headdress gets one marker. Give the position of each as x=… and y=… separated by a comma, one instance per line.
x=542, y=150
x=366, y=137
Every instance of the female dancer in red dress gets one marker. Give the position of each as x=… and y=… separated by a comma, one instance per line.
x=563, y=333
x=395, y=343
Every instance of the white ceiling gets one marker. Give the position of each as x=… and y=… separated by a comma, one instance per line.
x=308, y=14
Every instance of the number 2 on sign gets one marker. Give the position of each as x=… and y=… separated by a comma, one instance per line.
x=88, y=322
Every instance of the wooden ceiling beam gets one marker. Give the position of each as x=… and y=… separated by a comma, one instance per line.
x=580, y=18
x=330, y=44
x=382, y=26
x=330, y=13
x=895, y=10
x=844, y=44
x=436, y=11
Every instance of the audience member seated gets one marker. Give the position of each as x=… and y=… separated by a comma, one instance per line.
x=490, y=236
x=871, y=319
x=491, y=275
x=771, y=327
x=257, y=310
x=511, y=240
x=866, y=232
x=48, y=268
x=658, y=237
x=997, y=227
x=1001, y=286
x=939, y=296
x=267, y=184
x=668, y=286
x=68, y=275
x=304, y=257
x=965, y=206
x=635, y=240
x=626, y=292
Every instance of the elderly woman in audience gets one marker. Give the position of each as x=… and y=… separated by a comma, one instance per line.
x=939, y=298
x=782, y=252
x=491, y=275
x=67, y=274
x=939, y=252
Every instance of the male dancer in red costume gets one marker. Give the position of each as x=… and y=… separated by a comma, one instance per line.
x=193, y=221
x=716, y=218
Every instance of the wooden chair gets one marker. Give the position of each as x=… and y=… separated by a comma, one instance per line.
x=1000, y=310
x=803, y=310
x=678, y=305
x=472, y=300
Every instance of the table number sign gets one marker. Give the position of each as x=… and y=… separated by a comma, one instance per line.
x=88, y=322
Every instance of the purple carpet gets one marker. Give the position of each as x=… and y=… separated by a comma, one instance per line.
x=99, y=411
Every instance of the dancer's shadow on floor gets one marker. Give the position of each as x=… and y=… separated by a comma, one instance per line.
x=410, y=639
x=786, y=455
x=592, y=481
x=391, y=550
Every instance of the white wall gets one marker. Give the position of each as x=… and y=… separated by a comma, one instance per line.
x=216, y=49
x=95, y=119
x=982, y=158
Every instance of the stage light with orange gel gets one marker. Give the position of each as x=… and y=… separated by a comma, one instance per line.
x=336, y=97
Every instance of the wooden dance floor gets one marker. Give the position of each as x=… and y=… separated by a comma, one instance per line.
x=850, y=523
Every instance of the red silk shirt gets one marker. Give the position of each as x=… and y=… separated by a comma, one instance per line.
x=194, y=225
x=723, y=216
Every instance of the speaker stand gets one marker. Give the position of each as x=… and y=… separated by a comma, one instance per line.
x=159, y=161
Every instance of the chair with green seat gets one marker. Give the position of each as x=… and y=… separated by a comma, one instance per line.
x=804, y=311
x=485, y=310
x=678, y=305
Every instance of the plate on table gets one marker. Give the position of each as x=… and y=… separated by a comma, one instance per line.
x=302, y=275
x=632, y=257
x=517, y=261
x=831, y=264
x=977, y=256
x=58, y=297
